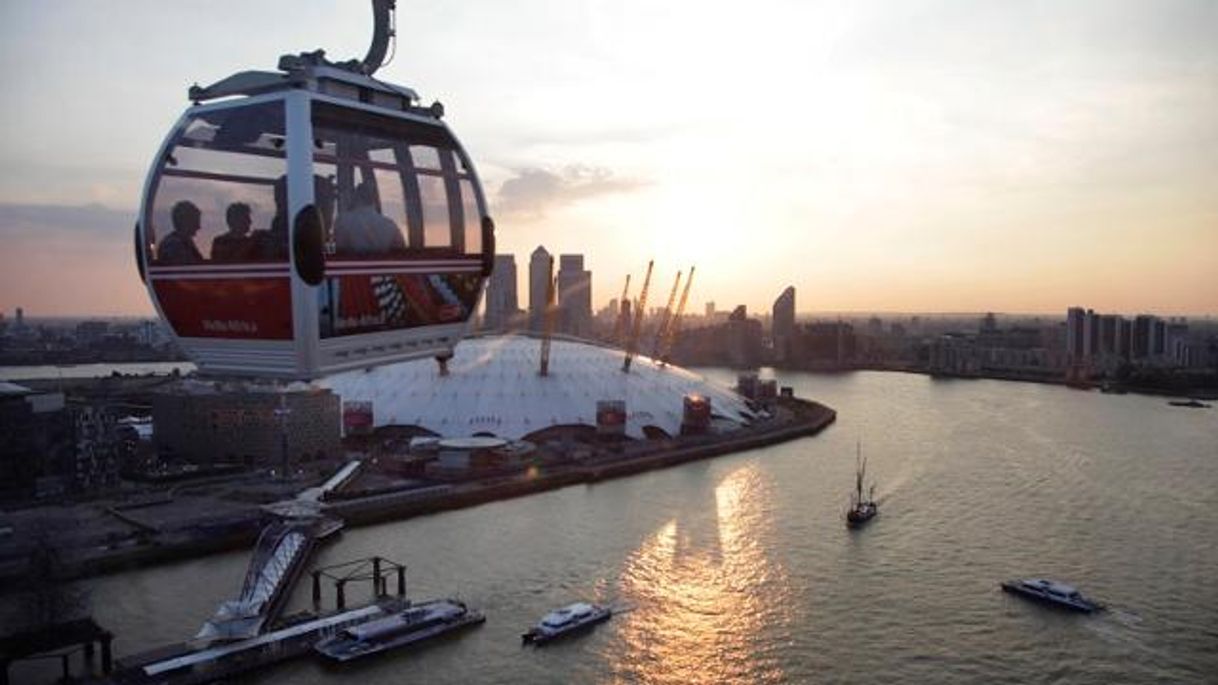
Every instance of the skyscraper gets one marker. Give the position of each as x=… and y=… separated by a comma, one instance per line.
x=539, y=276
x=501, y=300
x=783, y=325
x=575, y=295
x=1076, y=319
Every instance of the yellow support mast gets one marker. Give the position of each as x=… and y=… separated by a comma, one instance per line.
x=663, y=331
x=670, y=336
x=633, y=343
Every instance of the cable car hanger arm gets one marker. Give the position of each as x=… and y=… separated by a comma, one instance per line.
x=295, y=67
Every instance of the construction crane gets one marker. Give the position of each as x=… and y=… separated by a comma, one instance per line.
x=619, y=324
x=633, y=343
x=550, y=314
x=670, y=336
x=660, y=334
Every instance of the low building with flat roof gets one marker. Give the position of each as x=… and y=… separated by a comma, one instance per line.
x=208, y=422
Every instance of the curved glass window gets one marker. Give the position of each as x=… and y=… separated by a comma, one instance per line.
x=220, y=193
x=437, y=226
x=399, y=186
x=472, y=216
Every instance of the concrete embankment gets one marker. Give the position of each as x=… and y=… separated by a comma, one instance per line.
x=804, y=418
x=794, y=419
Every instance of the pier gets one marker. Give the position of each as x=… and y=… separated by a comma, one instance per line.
x=185, y=664
x=83, y=634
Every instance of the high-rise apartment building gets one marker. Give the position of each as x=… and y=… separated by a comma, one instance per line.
x=575, y=295
x=783, y=323
x=1076, y=328
x=1141, y=337
x=540, y=264
x=501, y=300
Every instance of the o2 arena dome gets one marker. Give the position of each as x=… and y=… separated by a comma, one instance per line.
x=493, y=388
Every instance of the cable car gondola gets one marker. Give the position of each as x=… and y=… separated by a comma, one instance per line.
x=311, y=220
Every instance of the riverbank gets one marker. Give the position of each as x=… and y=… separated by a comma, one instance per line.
x=1207, y=389
x=792, y=419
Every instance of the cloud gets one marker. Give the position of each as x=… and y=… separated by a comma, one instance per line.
x=534, y=192
x=52, y=223
x=63, y=260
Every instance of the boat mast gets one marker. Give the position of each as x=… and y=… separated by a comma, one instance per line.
x=860, y=468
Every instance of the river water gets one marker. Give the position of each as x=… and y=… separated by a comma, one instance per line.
x=739, y=568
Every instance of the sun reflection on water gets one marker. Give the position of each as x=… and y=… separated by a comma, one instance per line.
x=710, y=605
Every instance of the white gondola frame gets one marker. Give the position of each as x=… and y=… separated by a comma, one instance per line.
x=307, y=355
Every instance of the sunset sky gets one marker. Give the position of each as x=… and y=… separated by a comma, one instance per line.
x=879, y=156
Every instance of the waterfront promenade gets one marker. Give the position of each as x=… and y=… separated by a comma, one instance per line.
x=191, y=526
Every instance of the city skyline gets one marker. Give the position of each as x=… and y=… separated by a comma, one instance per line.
x=905, y=159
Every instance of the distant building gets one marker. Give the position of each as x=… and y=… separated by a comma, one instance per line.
x=35, y=440
x=736, y=342
x=244, y=423
x=501, y=300
x=825, y=344
x=954, y=354
x=1142, y=338
x=51, y=447
x=783, y=324
x=91, y=332
x=1100, y=344
x=1109, y=329
x=1076, y=322
x=574, y=296
x=540, y=263
x=95, y=465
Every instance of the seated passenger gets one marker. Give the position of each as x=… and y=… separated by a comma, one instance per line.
x=236, y=245
x=178, y=247
x=272, y=244
x=361, y=229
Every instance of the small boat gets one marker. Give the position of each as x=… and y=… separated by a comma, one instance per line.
x=565, y=621
x=1195, y=404
x=861, y=510
x=414, y=624
x=1052, y=592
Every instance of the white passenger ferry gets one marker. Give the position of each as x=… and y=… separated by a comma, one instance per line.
x=1052, y=592
x=566, y=620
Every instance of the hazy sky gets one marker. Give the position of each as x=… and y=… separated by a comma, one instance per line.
x=896, y=155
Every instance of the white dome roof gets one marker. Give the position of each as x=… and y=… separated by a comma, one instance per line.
x=493, y=387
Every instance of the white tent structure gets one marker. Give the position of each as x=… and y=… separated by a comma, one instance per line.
x=493, y=387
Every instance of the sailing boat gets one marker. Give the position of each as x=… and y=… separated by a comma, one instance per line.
x=861, y=510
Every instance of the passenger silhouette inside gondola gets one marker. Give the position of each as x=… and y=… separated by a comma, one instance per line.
x=236, y=245
x=272, y=244
x=361, y=229
x=178, y=247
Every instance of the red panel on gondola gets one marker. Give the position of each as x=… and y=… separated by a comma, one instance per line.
x=245, y=308
x=367, y=304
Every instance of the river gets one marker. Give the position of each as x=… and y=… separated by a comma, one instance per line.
x=739, y=568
